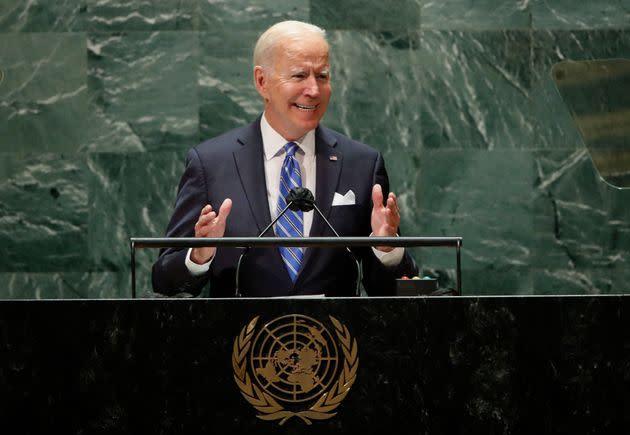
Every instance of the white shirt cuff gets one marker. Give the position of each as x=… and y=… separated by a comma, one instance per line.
x=391, y=258
x=194, y=268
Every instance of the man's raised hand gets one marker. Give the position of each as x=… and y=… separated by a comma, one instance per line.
x=385, y=219
x=210, y=224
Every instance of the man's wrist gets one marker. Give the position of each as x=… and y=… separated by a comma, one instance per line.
x=392, y=257
x=201, y=260
x=196, y=269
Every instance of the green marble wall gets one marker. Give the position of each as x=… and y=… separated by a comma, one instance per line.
x=101, y=99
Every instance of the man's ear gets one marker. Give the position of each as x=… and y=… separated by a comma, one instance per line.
x=260, y=80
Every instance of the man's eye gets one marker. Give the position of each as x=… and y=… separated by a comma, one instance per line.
x=299, y=75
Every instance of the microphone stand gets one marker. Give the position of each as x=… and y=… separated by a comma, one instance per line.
x=237, y=292
x=357, y=289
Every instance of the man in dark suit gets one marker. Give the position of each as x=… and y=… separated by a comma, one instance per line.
x=245, y=170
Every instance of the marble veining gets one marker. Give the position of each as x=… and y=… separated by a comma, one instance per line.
x=101, y=99
x=142, y=15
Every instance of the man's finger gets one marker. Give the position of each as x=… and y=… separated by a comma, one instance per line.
x=392, y=204
x=201, y=227
x=207, y=209
x=224, y=210
x=377, y=196
x=206, y=218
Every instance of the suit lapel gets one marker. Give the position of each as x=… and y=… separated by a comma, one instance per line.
x=249, y=160
x=328, y=161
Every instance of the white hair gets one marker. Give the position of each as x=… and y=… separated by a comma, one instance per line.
x=267, y=42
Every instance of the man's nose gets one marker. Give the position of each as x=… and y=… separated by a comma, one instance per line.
x=311, y=86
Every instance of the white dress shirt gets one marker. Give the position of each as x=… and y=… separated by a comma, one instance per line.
x=273, y=145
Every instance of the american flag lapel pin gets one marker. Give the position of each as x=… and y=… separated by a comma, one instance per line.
x=332, y=158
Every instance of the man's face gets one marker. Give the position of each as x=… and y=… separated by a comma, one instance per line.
x=296, y=89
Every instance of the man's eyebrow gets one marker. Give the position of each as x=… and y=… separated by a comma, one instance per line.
x=302, y=70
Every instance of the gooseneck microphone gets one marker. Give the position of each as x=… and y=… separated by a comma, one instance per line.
x=298, y=199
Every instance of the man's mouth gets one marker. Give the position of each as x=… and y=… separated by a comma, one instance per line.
x=305, y=108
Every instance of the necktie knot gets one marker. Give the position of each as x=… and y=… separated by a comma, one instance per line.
x=290, y=148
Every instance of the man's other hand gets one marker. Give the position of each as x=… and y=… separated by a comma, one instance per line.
x=385, y=219
x=210, y=224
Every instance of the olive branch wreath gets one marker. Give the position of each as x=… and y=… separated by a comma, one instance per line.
x=269, y=408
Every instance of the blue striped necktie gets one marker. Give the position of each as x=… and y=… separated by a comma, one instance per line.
x=291, y=224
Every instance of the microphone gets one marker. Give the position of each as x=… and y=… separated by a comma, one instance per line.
x=299, y=199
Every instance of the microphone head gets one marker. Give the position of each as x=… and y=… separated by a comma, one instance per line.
x=300, y=199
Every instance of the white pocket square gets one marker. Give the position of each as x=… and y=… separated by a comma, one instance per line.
x=347, y=199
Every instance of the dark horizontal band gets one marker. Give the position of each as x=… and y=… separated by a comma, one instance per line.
x=266, y=242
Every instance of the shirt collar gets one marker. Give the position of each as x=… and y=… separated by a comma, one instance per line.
x=273, y=142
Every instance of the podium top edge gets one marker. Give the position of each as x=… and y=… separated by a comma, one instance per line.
x=244, y=242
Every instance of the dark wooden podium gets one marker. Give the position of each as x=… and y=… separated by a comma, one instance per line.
x=441, y=365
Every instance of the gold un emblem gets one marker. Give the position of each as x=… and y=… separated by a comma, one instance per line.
x=294, y=367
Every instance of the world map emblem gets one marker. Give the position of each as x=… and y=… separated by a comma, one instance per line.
x=294, y=366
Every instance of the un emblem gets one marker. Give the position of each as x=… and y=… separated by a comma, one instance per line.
x=293, y=366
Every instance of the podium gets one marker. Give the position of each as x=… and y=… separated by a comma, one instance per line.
x=456, y=365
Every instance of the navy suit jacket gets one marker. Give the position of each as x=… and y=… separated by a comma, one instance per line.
x=231, y=166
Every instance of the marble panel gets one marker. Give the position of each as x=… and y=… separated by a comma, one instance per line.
x=69, y=285
x=554, y=128
x=581, y=232
x=43, y=15
x=142, y=90
x=475, y=15
x=375, y=101
x=584, y=281
x=624, y=365
x=484, y=197
x=43, y=96
x=131, y=195
x=229, y=16
x=394, y=15
x=589, y=361
x=476, y=90
x=141, y=15
x=476, y=78
x=227, y=95
x=43, y=213
x=492, y=279
x=489, y=357
x=580, y=14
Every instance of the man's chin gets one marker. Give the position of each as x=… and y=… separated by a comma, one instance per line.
x=296, y=128
x=308, y=124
